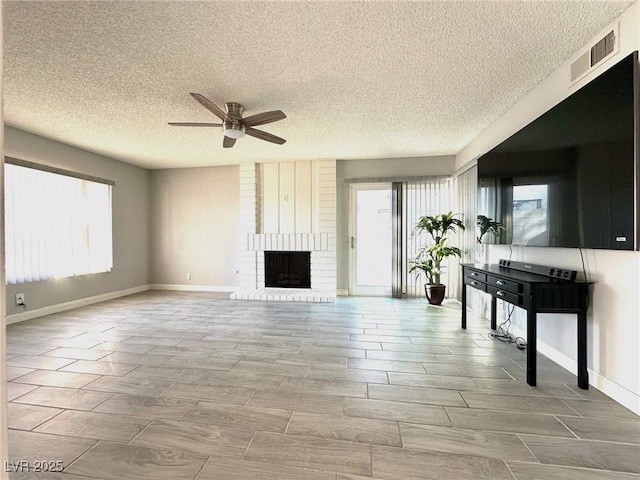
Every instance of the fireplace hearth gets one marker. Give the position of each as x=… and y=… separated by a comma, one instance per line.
x=287, y=269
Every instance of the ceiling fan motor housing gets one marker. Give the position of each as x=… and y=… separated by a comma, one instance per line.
x=234, y=110
x=232, y=128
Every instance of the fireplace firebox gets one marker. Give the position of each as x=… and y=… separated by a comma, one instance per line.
x=287, y=269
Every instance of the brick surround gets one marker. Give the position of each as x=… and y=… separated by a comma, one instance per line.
x=321, y=244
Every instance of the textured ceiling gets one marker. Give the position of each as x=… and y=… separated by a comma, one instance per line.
x=356, y=79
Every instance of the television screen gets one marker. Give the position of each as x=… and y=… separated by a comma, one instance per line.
x=568, y=179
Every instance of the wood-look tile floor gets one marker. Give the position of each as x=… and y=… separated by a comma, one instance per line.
x=167, y=385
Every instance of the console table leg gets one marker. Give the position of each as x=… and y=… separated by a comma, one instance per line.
x=531, y=344
x=464, y=306
x=493, y=312
x=583, y=374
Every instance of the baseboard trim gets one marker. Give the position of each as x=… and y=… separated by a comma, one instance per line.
x=193, y=288
x=616, y=391
x=81, y=302
x=607, y=386
x=342, y=292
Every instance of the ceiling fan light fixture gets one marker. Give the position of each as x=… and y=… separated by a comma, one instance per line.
x=233, y=129
x=233, y=133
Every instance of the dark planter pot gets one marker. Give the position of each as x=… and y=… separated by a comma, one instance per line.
x=434, y=293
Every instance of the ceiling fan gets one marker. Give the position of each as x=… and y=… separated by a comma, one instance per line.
x=233, y=125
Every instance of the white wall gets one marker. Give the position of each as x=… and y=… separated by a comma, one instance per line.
x=130, y=222
x=614, y=325
x=379, y=168
x=195, y=227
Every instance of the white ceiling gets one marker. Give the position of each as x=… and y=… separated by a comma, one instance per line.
x=356, y=79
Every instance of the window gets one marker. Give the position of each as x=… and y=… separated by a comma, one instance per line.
x=56, y=224
x=530, y=215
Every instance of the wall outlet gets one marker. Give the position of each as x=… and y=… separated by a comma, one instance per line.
x=19, y=298
x=188, y=276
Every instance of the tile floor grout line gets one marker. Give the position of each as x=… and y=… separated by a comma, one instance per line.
x=399, y=435
x=151, y=420
x=84, y=387
x=527, y=447
x=206, y=462
x=565, y=426
x=249, y=444
x=105, y=400
x=509, y=469
x=507, y=372
x=289, y=421
x=81, y=455
x=255, y=390
x=47, y=420
x=446, y=412
x=578, y=414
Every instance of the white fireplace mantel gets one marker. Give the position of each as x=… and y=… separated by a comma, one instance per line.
x=288, y=242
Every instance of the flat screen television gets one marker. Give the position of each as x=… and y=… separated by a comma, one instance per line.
x=570, y=177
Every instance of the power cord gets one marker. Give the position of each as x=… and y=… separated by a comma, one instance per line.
x=503, y=334
x=584, y=270
x=22, y=304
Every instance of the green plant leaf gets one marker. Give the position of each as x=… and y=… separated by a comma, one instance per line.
x=429, y=257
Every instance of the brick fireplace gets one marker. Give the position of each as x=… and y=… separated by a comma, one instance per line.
x=320, y=241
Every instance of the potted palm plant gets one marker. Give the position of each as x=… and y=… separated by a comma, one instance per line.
x=489, y=225
x=429, y=258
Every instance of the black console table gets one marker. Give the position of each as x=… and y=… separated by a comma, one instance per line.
x=535, y=293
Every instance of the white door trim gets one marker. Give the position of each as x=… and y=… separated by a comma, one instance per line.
x=353, y=234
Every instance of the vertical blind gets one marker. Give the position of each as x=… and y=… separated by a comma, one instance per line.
x=467, y=187
x=427, y=196
x=467, y=190
x=398, y=266
x=55, y=225
x=474, y=197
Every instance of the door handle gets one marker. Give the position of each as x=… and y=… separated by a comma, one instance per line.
x=353, y=241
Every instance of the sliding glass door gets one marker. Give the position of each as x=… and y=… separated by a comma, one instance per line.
x=370, y=239
x=382, y=237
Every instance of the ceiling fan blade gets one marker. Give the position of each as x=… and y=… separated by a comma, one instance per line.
x=194, y=124
x=263, y=118
x=228, y=142
x=209, y=105
x=264, y=136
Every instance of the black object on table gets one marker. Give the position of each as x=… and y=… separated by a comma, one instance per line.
x=535, y=293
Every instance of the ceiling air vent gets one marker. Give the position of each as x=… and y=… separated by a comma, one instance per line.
x=598, y=52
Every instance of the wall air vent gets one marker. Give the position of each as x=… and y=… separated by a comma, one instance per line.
x=603, y=48
x=580, y=66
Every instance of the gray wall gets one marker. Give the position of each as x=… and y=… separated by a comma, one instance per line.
x=195, y=226
x=379, y=168
x=130, y=222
